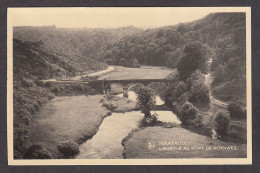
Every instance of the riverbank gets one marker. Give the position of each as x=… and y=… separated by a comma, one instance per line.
x=72, y=119
x=66, y=119
x=176, y=142
x=106, y=143
x=118, y=104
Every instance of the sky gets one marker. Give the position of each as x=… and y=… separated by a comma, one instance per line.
x=110, y=17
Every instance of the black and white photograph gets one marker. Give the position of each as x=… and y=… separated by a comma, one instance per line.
x=125, y=85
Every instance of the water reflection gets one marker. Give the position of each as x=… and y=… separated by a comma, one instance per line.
x=167, y=116
x=106, y=144
x=133, y=96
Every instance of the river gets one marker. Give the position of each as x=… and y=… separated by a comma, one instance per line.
x=81, y=115
x=106, y=144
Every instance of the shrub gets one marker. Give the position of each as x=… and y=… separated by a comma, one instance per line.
x=26, y=120
x=146, y=100
x=47, y=84
x=36, y=151
x=183, y=98
x=198, y=122
x=221, y=123
x=199, y=95
x=194, y=57
x=102, y=100
x=180, y=89
x=20, y=135
x=27, y=83
x=151, y=121
x=109, y=106
x=55, y=89
x=236, y=111
x=17, y=155
x=188, y=113
x=39, y=83
x=199, y=91
x=69, y=148
x=108, y=113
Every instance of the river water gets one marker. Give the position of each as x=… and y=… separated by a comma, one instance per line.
x=133, y=96
x=106, y=144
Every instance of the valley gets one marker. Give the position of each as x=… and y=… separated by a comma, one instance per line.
x=59, y=114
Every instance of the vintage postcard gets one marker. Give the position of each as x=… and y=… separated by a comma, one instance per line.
x=129, y=86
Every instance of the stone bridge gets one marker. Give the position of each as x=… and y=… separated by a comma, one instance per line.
x=104, y=85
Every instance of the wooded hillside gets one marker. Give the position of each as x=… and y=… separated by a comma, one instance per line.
x=32, y=60
x=223, y=34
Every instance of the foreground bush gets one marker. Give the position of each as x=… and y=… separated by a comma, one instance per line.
x=110, y=106
x=221, y=123
x=27, y=83
x=146, y=100
x=36, y=151
x=69, y=148
x=28, y=97
x=71, y=89
x=151, y=121
x=188, y=113
x=236, y=111
x=198, y=90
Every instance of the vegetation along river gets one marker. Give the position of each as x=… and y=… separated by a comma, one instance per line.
x=106, y=144
x=83, y=118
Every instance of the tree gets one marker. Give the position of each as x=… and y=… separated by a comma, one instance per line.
x=133, y=63
x=198, y=90
x=221, y=123
x=237, y=111
x=199, y=95
x=181, y=29
x=180, y=89
x=188, y=113
x=36, y=151
x=146, y=100
x=194, y=58
x=196, y=77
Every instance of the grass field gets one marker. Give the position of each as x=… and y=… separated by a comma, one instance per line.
x=144, y=72
x=73, y=118
x=164, y=146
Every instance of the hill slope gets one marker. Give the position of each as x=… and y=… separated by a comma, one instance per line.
x=85, y=42
x=222, y=33
x=33, y=61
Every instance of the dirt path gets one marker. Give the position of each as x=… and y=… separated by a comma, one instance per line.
x=98, y=73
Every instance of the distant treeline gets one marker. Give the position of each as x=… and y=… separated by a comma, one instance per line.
x=85, y=42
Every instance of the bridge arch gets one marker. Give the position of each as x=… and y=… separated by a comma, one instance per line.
x=134, y=84
x=103, y=85
x=107, y=87
x=159, y=89
x=157, y=85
